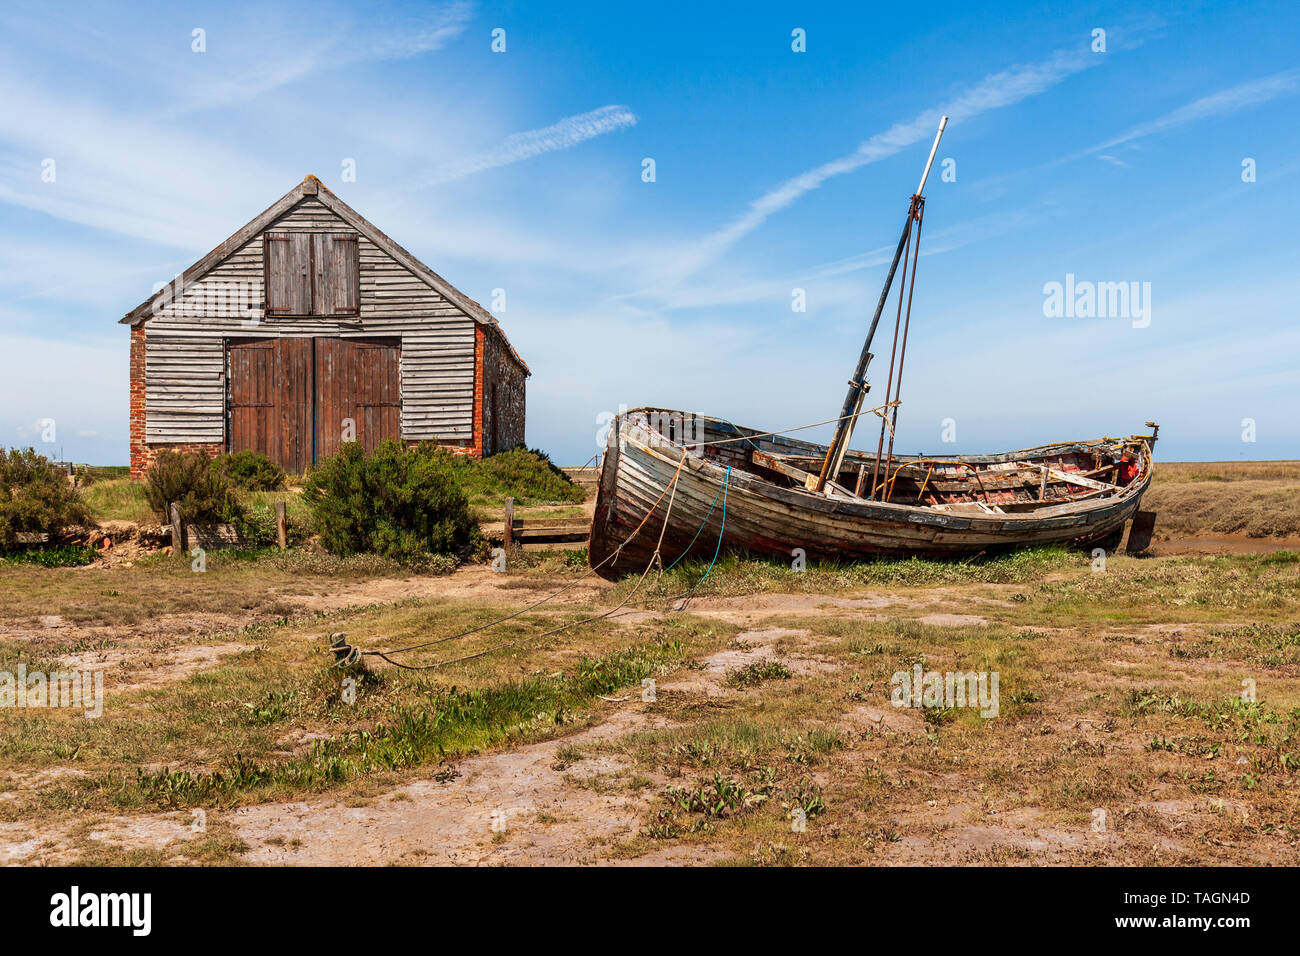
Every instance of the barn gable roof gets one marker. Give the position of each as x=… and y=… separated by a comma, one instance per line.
x=311, y=187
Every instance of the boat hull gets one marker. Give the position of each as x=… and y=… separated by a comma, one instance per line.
x=766, y=520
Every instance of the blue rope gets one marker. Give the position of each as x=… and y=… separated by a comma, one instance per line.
x=723, y=527
x=726, y=480
x=704, y=523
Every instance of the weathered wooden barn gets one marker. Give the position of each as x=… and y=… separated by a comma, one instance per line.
x=310, y=327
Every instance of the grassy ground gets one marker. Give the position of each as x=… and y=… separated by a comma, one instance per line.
x=1149, y=708
x=1121, y=692
x=540, y=490
x=118, y=499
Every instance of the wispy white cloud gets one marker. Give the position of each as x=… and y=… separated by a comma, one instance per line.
x=568, y=132
x=1231, y=100
x=749, y=288
x=379, y=35
x=992, y=92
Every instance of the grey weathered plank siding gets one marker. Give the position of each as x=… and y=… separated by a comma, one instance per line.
x=185, y=354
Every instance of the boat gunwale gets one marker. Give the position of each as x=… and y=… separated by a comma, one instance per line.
x=1097, y=509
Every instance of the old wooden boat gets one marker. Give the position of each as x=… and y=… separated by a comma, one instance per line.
x=681, y=486
x=735, y=489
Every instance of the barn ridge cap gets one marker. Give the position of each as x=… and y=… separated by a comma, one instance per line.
x=312, y=187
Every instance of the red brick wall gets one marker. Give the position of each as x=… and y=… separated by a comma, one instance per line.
x=138, y=449
x=480, y=347
x=498, y=374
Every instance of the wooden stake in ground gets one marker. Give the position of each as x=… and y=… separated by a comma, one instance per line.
x=281, y=525
x=509, y=536
x=178, y=530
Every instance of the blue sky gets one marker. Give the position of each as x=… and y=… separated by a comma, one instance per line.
x=775, y=170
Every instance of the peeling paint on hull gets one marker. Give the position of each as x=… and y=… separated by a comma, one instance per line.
x=768, y=518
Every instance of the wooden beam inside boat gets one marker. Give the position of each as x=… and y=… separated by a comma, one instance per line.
x=775, y=463
x=1075, y=479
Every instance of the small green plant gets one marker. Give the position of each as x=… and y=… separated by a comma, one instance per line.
x=805, y=796
x=751, y=675
x=35, y=497
x=719, y=797
x=402, y=503
x=204, y=495
x=274, y=708
x=249, y=470
x=53, y=556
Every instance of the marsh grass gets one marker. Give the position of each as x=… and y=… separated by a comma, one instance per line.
x=734, y=575
x=1254, y=498
x=118, y=499
x=242, y=730
x=1191, y=588
x=443, y=724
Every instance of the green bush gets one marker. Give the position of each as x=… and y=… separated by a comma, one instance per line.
x=249, y=470
x=401, y=503
x=525, y=474
x=256, y=526
x=35, y=496
x=189, y=478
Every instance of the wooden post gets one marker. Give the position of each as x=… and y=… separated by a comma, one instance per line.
x=1139, y=532
x=178, y=530
x=281, y=525
x=509, y=538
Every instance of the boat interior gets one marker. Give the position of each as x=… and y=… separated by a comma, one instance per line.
x=1008, y=483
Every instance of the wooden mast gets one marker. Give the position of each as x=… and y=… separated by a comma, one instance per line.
x=858, y=386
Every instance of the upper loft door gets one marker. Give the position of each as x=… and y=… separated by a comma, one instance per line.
x=270, y=400
x=358, y=393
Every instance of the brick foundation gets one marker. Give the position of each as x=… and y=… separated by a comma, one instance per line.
x=146, y=458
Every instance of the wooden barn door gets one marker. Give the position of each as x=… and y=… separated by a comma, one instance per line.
x=358, y=394
x=270, y=400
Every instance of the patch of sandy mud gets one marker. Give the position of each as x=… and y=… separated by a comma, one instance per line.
x=964, y=834
x=28, y=844
x=749, y=647
x=17, y=784
x=750, y=606
x=20, y=846
x=749, y=609
x=520, y=806
x=474, y=583
x=874, y=719
x=132, y=669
